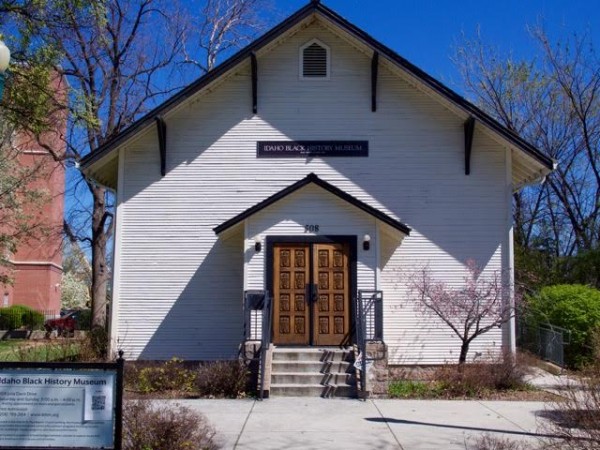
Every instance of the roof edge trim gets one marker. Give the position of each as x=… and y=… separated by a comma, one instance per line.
x=314, y=179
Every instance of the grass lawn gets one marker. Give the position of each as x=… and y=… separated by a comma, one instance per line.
x=8, y=348
x=407, y=389
x=26, y=350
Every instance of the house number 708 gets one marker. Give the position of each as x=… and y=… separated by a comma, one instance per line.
x=311, y=228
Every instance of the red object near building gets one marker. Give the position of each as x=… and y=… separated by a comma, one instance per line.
x=37, y=264
x=67, y=323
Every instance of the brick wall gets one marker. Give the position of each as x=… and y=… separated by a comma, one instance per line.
x=38, y=261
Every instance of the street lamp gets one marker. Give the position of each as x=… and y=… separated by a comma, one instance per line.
x=4, y=61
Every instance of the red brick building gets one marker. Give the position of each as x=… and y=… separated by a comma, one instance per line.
x=37, y=264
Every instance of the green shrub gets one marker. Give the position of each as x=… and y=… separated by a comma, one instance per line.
x=93, y=347
x=584, y=268
x=469, y=380
x=223, y=379
x=96, y=343
x=412, y=389
x=227, y=379
x=17, y=316
x=168, y=376
x=160, y=427
x=85, y=320
x=573, y=307
x=476, y=380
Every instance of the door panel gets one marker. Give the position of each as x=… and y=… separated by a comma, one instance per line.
x=291, y=277
x=311, y=294
x=331, y=310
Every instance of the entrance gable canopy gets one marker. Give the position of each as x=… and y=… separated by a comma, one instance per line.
x=314, y=179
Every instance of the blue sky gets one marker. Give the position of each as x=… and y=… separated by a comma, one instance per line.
x=425, y=31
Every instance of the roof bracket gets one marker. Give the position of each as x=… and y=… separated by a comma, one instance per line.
x=161, y=127
x=469, y=130
x=374, y=72
x=254, y=82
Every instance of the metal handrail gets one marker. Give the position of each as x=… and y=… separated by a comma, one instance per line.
x=361, y=339
x=261, y=302
x=265, y=341
x=369, y=304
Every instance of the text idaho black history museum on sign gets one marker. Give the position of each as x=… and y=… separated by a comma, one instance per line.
x=302, y=149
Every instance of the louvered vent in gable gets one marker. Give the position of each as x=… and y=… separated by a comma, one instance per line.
x=314, y=60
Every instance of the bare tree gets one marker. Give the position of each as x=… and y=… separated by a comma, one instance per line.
x=482, y=303
x=554, y=102
x=120, y=58
x=223, y=25
x=113, y=54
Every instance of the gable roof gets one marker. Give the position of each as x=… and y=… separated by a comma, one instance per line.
x=314, y=179
x=315, y=7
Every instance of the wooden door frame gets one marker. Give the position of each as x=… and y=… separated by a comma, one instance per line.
x=350, y=240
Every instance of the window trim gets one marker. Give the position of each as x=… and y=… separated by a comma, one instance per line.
x=301, y=61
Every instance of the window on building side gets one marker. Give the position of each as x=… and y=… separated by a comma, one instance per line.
x=314, y=60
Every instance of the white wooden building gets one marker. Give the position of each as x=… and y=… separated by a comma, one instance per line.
x=314, y=163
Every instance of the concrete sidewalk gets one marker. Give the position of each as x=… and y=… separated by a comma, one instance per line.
x=315, y=423
x=555, y=384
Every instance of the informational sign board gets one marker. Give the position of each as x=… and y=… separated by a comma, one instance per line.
x=303, y=149
x=59, y=408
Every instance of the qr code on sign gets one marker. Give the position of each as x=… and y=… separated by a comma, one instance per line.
x=98, y=402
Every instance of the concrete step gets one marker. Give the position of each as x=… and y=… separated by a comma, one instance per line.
x=310, y=366
x=312, y=354
x=314, y=378
x=312, y=390
x=312, y=372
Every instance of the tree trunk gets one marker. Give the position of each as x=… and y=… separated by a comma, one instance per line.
x=99, y=269
x=464, y=349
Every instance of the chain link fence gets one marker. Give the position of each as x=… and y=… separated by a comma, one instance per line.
x=547, y=341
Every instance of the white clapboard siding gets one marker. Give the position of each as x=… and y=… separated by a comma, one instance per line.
x=180, y=286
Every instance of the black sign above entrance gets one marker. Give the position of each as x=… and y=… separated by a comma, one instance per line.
x=302, y=149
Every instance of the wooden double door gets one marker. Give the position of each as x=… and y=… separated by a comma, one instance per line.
x=311, y=293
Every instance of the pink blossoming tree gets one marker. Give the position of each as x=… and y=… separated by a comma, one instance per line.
x=480, y=304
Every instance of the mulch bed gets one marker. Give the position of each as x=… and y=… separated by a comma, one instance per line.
x=163, y=395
